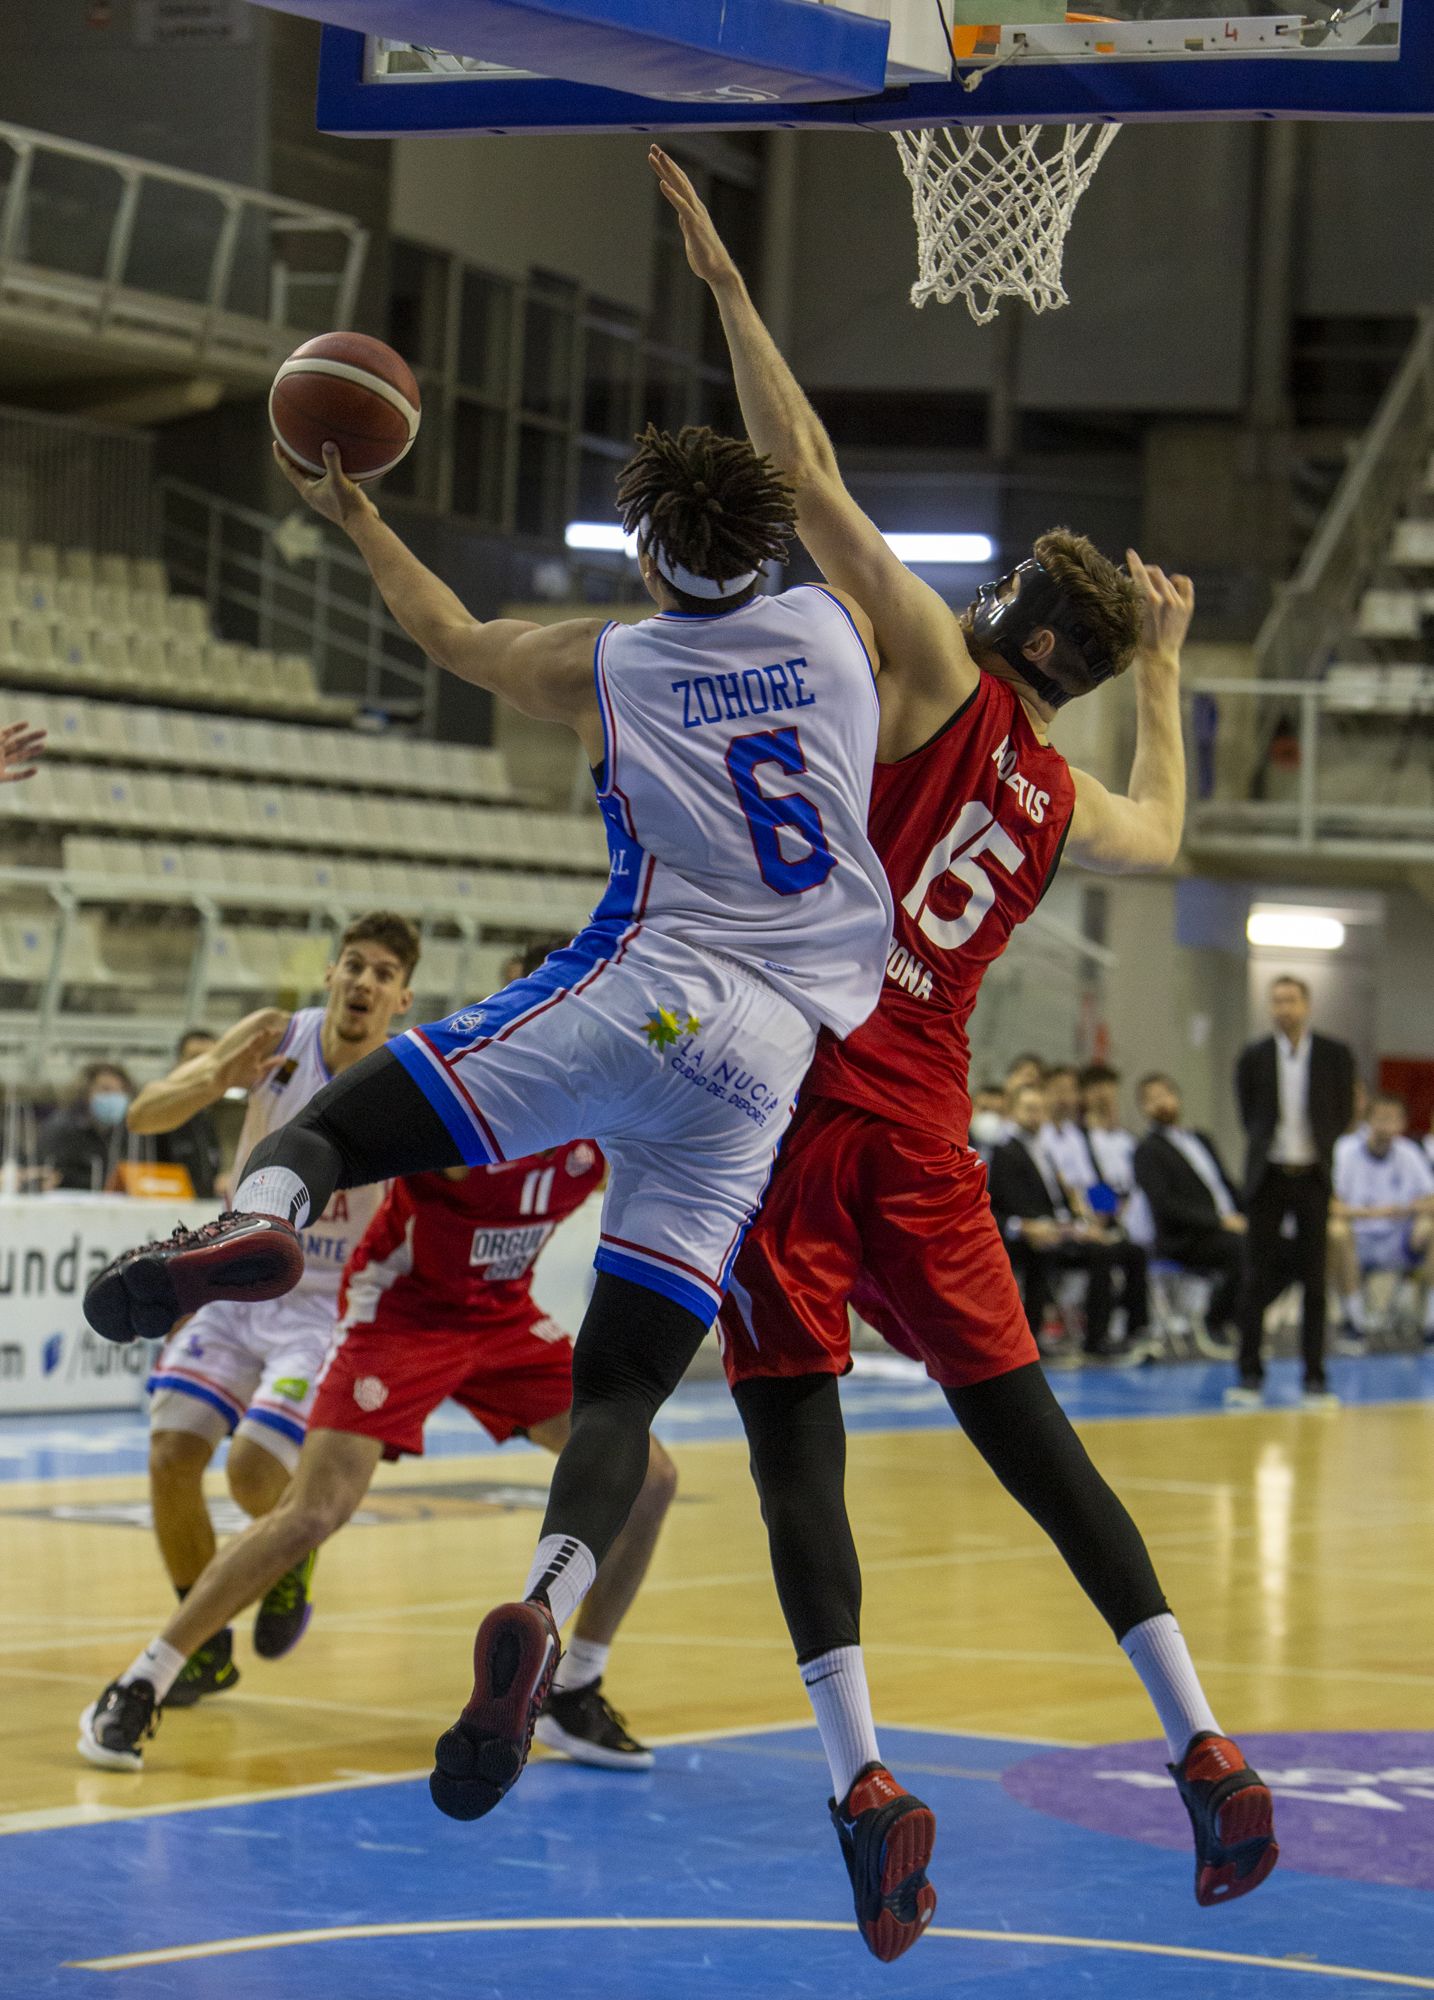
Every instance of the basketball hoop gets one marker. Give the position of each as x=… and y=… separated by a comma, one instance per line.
x=992, y=205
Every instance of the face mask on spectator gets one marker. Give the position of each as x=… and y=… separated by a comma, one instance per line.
x=108, y=1107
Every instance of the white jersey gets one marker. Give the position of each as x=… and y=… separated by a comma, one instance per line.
x=738, y=752
x=1363, y=1179
x=330, y=1237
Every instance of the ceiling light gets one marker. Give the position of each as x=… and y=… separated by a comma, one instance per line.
x=1294, y=930
x=606, y=536
x=924, y=550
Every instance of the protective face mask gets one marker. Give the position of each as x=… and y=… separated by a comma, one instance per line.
x=988, y=1128
x=108, y=1107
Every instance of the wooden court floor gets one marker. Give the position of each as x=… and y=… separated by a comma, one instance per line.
x=1296, y=1548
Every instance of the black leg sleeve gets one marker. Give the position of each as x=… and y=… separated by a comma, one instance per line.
x=633, y=1349
x=798, y=1453
x=370, y=1124
x=1026, y=1438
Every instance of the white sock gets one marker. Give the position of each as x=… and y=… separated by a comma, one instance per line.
x=563, y=1571
x=1158, y=1652
x=159, y=1664
x=1354, y=1310
x=1429, y=1310
x=273, y=1191
x=841, y=1701
x=584, y=1662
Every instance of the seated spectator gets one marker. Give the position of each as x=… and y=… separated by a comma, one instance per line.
x=1112, y=1147
x=194, y=1145
x=1061, y=1135
x=1382, y=1215
x=1192, y=1202
x=989, y=1124
x=84, y=1141
x=1045, y=1238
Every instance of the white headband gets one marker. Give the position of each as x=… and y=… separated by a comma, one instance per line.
x=686, y=580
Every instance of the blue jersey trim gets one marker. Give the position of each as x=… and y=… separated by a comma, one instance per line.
x=832, y=598
x=707, y=617
x=288, y=1426
x=445, y=1101
x=230, y=1411
x=602, y=778
x=671, y=1284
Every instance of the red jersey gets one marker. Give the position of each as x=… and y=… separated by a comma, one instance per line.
x=969, y=830
x=443, y=1251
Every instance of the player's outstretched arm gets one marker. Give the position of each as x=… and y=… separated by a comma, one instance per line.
x=20, y=747
x=242, y=1057
x=918, y=638
x=544, y=670
x=1123, y=835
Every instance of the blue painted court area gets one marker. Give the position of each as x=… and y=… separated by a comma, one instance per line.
x=716, y=1875
x=885, y=1394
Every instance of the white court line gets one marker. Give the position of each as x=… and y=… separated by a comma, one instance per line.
x=490, y=1926
x=44, y=1819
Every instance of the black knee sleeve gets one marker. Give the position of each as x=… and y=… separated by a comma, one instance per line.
x=372, y=1123
x=633, y=1350
x=797, y=1443
x=1027, y=1440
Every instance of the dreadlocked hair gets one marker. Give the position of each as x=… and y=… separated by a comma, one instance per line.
x=714, y=504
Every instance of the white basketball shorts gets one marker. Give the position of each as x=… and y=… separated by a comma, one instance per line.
x=682, y=1064
x=246, y=1368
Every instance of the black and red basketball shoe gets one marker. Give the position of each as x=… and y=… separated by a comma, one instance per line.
x=141, y=1294
x=886, y=1840
x=482, y=1756
x=1232, y=1815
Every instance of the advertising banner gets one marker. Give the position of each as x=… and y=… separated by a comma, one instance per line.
x=50, y=1248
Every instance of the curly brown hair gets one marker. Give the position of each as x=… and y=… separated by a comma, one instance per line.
x=1106, y=600
x=715, y=505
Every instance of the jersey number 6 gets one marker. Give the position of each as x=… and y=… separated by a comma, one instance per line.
x=976, y=833
x=766, y=816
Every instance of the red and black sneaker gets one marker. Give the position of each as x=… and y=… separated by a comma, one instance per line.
x=140, y=1295
x=482, y=1756
x=1232, y=1815
x=886, y=1839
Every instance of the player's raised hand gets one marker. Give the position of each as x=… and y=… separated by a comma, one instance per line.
x=20, y=745
x=335, y=495
x=1169, y=607
x=706, y=252
x=246, y=1054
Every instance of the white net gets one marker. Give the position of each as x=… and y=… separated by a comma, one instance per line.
x=993, y=204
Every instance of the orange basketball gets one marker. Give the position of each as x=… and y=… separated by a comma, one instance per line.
x=349, y=390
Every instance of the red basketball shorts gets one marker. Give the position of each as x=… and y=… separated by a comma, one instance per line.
x=385, y=1378
x=894, y=1221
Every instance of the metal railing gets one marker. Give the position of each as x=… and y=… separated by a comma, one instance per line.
x=1342, y=767
x=74, y=484
x=1312, y=612
x=295, y=588
x=107, y=246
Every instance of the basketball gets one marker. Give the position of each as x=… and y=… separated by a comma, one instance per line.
x=353, y=391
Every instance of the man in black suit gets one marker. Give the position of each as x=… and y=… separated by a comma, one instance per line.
x=1194, y=1205
x=1044, y=1237
x=1296, y=1096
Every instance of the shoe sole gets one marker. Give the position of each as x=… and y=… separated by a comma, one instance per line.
x=179, y=1697
x=94, y=1752
x=144, y=1297
x=901, y=1883
x=1245, y=1829
x=551, y=1734
x=479, y=1759
x=268, y=1651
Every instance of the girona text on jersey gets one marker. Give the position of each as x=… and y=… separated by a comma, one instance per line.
x=969, y=829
